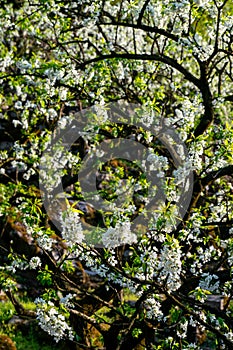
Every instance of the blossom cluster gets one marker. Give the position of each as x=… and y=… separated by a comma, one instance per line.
x=153, y=308
x=52, y=321
x=72, y=230
x=170, y=266
x=119, y=235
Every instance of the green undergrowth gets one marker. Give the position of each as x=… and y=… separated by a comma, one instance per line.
x=25, y=338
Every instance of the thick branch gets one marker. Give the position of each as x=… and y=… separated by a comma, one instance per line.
x=138, y=25
x=146, y=57
x=140, y=17
x=21, y=311
x=208, y=116
x=145, y=28
x=214, y=175
x=201, y=183
x=229, y=98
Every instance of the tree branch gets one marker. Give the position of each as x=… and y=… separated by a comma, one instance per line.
x=143, y=27
x=21, y=311
x=208, y=116
x=146, y=57
x=197, y=317
x=142, y=12
x=214, y=175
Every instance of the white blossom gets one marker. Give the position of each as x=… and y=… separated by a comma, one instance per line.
x=34, y=262
x=153, y=309
x=44, y=241
x=16, y=122
x=66, y=301
x=72, y=230
x=169, y=266
x=52, y=321
x=23, y=65
x=18, y=105
x=209, y=282
x=118, y=235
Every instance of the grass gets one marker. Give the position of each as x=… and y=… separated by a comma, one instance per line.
x=28, y=341
x=6, y=312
